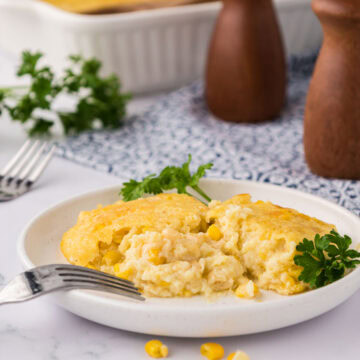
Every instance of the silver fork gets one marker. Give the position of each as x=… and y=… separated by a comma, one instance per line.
x=21, y=172
x=48, y=278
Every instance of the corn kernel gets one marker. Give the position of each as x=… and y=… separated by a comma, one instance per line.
x=238, y=355
x=117, y=239
x=116, y=268
x=291, y=281
x=212, y=351
x=247, y=291
x=156, y=349
x=92, y=267
x=155, y=258
x=263, y=254
x=122, y=274
x=164, y=283
x=214, y=232
x=99, y=227
x=188, y=293
x=119, y=235
x=295, y=272
x=111, y=257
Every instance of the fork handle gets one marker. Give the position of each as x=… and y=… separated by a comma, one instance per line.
x=15, y=291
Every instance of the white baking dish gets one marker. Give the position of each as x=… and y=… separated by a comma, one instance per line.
x=150, y=50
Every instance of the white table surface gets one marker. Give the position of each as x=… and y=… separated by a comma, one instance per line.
x=38, y=330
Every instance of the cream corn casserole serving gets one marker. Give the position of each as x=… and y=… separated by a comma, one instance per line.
x=172, y=245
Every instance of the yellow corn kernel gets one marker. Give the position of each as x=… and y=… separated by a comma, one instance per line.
x=164, y=283
x=295, y=273
x=287, y=279
x=116, y=268
x=117, y=239
x=155, y=258
x=291, y=281
x=212, y=351
x=247, y=291
x=111, y=257
x=214, y=232
x=119, y=235
x=92, y=267
x=156, y=349
x=99, y=226
x=188, y=293
x=122, y=274
x=262, y=254
x=238, y=355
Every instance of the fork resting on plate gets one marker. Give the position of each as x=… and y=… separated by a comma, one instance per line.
x=48, y=278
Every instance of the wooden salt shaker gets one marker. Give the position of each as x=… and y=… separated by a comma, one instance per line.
x=332, y=117
x=246, y=71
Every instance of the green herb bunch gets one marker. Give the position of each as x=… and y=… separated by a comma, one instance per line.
x=326, y=259
x=170, y=178
x=99, y=101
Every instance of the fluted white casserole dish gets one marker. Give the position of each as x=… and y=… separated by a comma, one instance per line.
x=150, y=50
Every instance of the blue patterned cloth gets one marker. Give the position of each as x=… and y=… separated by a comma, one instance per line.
x=180, y=124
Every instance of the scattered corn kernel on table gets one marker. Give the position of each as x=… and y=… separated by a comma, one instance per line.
x=40, y=330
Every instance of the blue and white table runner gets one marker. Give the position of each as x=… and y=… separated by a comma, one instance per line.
x=180, y=124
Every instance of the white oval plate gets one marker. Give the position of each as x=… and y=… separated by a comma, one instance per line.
x=192, y=317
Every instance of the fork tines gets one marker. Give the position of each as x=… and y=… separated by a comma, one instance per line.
x=28, y=163
x=84, y=277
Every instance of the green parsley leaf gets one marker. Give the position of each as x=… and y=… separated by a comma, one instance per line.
x=325, y=259
x=29, y=63
x=133, y=189
x=99, y=100
x=352, y=254
x=2, y=98
x=170, y=178
x=312, y=268
x=306, y=246
x=40, y=127
x=322, y=242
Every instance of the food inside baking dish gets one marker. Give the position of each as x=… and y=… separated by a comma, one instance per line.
x=113, y=6
x=172, y=245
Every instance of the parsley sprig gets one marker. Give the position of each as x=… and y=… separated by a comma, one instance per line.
x=99, y=100
x=170, y=178
x=325, y=259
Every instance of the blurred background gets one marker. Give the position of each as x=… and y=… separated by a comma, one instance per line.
x=152, y=45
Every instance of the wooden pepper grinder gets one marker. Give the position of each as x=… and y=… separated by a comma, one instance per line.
x=246, y=71
x=332, y=116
